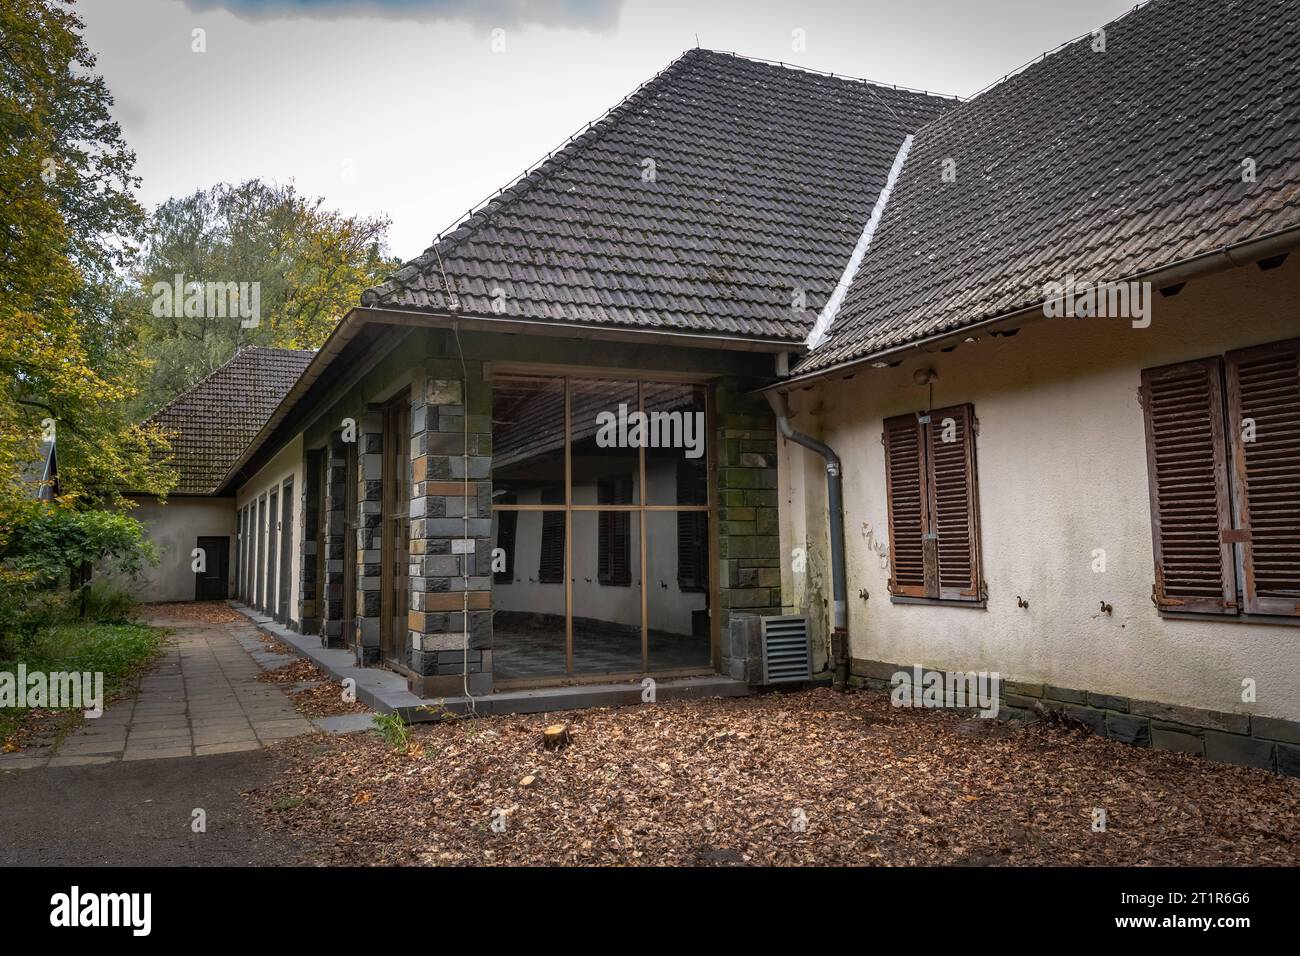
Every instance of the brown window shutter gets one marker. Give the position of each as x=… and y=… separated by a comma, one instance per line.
x=906, y=496
x=692, y=551
x=507, y=530
x=614, y=532
x=550, y=565
x=1187, y=475
x=692, y=530
x=1264, y=390
x=953, y=502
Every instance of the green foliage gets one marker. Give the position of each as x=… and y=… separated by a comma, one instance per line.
x=47, y=545
x=311, y=263
x=45, y=550
x=113, y=649
x=394, y=731
x=105, y=603
x=119, y=651
x=68, y=224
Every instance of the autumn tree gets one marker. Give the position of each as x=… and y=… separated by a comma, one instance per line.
x=310, y=263
x=68, y=224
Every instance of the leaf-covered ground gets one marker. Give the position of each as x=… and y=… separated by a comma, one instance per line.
x=199, y=612
x=811, y=778
x=319, y=696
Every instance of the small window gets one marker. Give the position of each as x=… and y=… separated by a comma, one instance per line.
x=933, y=507
x=1223, y=468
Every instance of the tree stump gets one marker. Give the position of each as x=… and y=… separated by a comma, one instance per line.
x=556, y=736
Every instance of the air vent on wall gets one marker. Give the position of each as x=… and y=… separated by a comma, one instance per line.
x=786, y=651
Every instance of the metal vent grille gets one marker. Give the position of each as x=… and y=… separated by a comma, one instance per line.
x=786, y=649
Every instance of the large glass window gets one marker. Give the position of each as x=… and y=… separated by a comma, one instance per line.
x=600, y=505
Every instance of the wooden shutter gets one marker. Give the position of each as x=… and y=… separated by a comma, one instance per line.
x=692, y=551
x=692, y=529
x=1264, y=392
x=908, y=505
x=614, y=549
x=507, y=529
x=550, y=565
x=1187, y=475
x=950, y=456
x=933, y=511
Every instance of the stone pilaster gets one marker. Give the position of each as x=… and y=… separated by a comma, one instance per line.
x=309, y=610
x=335, y=529
x=370, y=490
x=451, y=530
x=748, y=533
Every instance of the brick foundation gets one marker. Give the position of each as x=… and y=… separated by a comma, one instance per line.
x=1264, y=742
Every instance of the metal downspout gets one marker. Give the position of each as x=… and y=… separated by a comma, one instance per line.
x=835, y=507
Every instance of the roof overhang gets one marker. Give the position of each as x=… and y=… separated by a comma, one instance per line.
x=361, y=316
x=1161, y=277
x=576, y=330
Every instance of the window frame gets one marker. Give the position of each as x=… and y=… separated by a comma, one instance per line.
x=568, y=375
x=931, y=589
x=1241, y=601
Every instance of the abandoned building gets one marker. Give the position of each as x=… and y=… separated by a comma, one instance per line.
x=759, y=377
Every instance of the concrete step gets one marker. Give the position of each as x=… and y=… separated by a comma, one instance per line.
x=387, y=692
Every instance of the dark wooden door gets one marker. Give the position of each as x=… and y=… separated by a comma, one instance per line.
x=286, y=552
x=350, y=545
x=272, y=552
x=211, y=584
x=259, y=544
x=395, y=569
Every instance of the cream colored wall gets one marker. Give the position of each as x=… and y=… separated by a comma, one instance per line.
x=287, y=463
x=174, y=528
x=1062, y=471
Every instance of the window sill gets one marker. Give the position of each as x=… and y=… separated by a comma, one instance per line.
x=1274, y=619
x=936, y=602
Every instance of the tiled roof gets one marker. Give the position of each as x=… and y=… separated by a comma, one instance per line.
x=1097, y=165
x=764, y=177
x=217, y=418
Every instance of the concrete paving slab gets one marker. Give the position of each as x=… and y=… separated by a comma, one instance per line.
x=203, y=697
x=346, y=723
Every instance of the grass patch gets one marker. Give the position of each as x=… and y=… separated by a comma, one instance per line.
x=120, y=651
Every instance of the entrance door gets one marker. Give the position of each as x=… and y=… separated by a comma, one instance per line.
x=259, y=543
x=211, y=584
x=272, y=552
x=286, y=552
x=350, y=545
x=395, y=569
x=322, y=539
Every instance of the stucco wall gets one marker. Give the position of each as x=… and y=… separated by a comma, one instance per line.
x=1062, y=471
x=174, y=528
x=286, y=464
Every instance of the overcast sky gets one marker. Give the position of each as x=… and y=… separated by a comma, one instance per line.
x=404, y=107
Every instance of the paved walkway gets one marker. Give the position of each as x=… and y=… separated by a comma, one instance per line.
x=202, y=698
